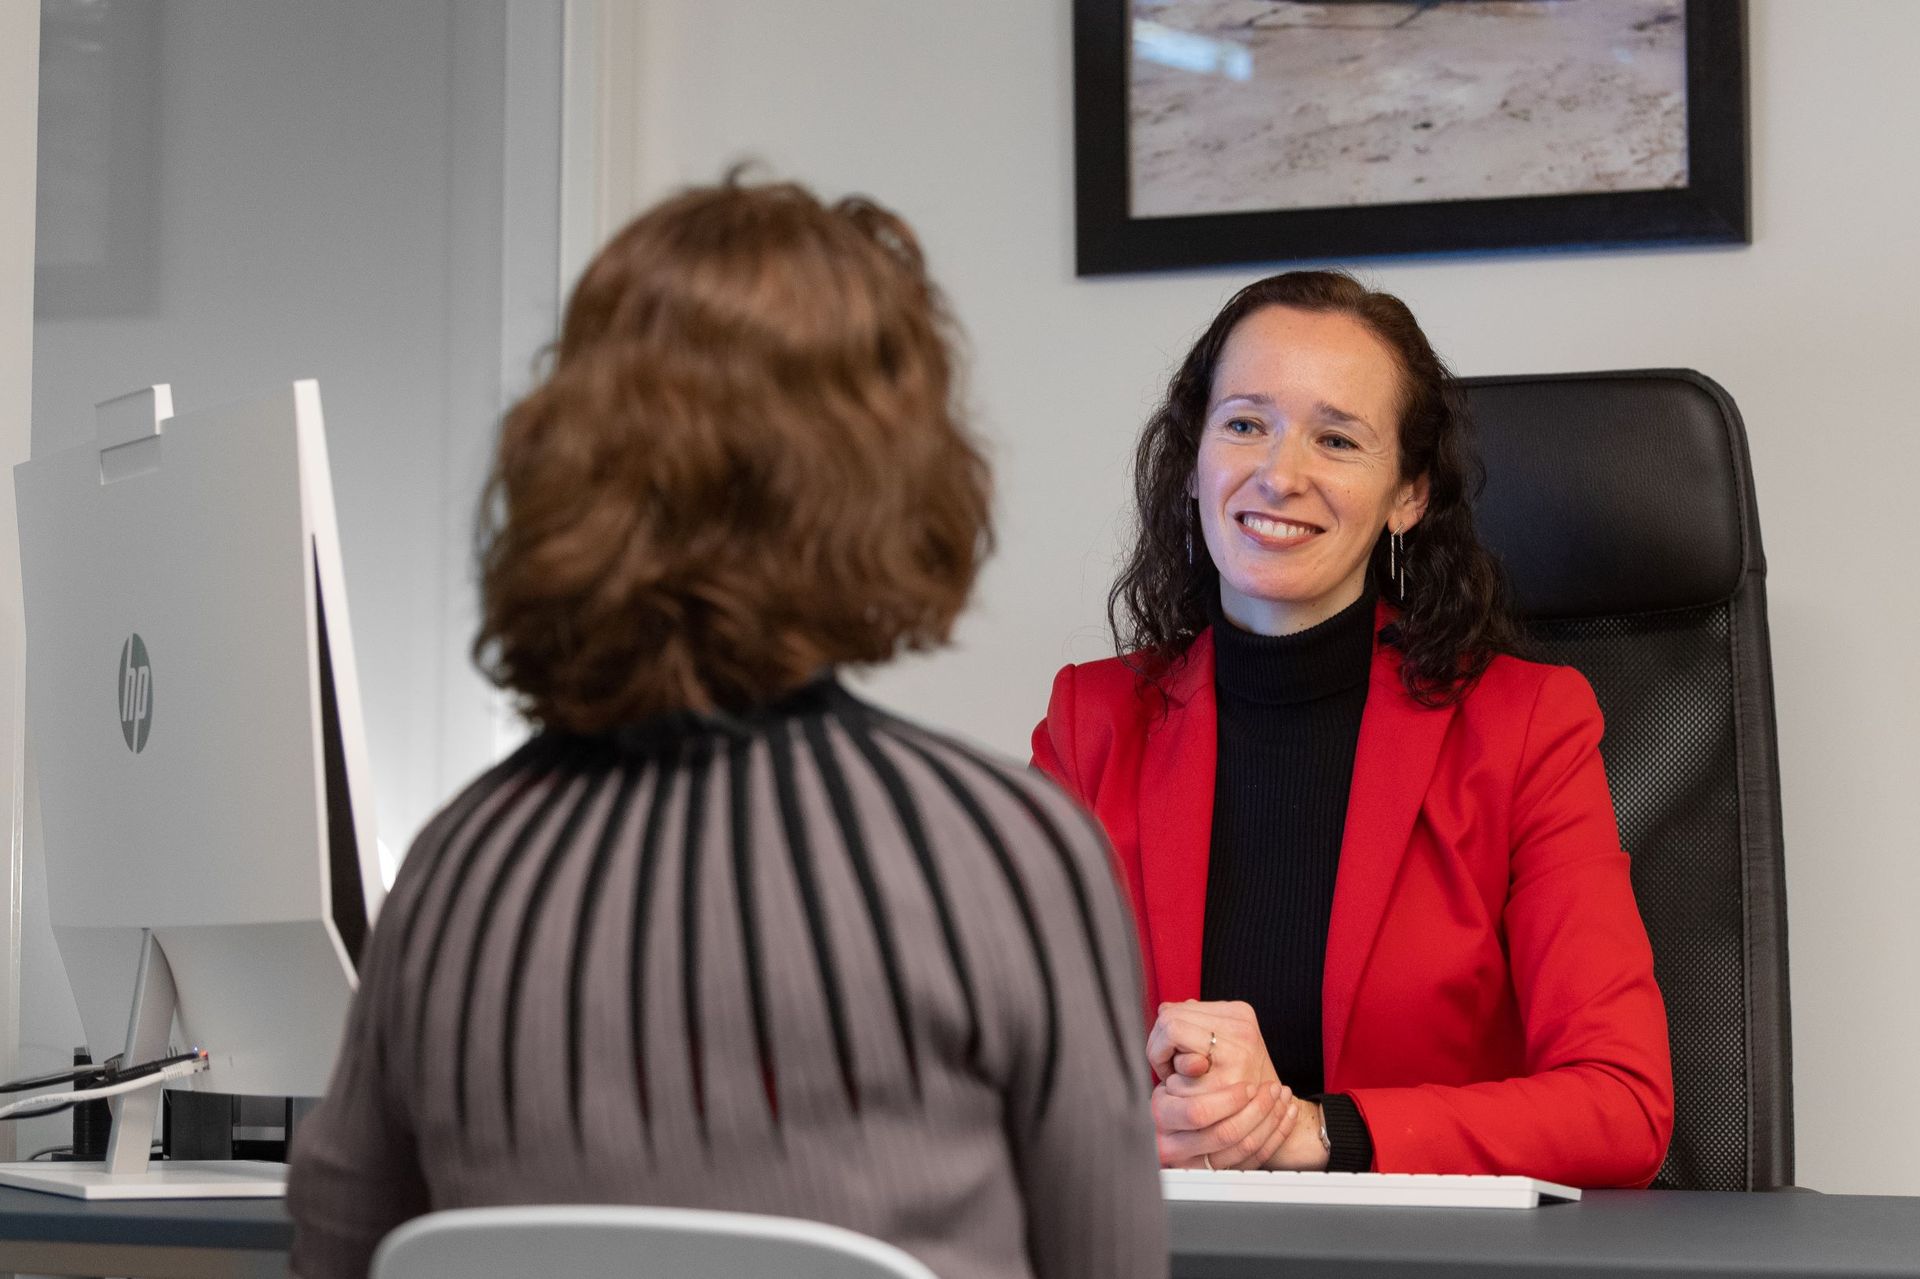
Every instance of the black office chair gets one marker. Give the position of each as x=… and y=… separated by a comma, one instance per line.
x=1622, y=505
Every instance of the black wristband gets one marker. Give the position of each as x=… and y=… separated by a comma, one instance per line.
x=1347, y=1131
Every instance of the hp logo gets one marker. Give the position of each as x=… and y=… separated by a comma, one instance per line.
x=136, y=693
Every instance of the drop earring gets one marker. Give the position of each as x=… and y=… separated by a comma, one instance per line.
x=1397, y=564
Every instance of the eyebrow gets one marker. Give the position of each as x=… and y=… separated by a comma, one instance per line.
x=1250, y=397
x=1330, y=413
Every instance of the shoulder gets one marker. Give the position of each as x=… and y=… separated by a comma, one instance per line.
x=1021, y=806
x=1531, y=702
x=1109, y=682
x=472, y=812
x=961, y=765
x=1101, y=713
x=1135, y=687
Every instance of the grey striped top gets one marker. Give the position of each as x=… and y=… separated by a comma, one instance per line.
x=817, y=962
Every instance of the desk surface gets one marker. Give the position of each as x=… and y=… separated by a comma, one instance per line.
x=252, y=1224
x=1643, y=1233
x=1646, y=1234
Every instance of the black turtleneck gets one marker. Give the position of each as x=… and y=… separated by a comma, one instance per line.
x=1289, y=721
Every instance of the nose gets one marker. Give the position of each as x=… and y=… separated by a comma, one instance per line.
x=1283, y=469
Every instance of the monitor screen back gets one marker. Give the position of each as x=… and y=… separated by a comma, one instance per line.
x=174, y=722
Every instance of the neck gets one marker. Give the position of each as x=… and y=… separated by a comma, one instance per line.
x=1285, y=617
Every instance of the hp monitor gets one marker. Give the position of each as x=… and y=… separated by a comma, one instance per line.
x=193, y=730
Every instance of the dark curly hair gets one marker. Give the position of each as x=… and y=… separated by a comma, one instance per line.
x=1454, y=616
x=746, y=465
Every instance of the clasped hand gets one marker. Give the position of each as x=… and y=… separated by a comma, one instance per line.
x=1218, y=1100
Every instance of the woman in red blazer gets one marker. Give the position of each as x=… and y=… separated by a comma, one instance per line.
x=1371, y=853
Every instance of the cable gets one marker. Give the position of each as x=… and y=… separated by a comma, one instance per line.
x=151, y=1075
x=67, y=1150
x=108, y=1070
x=113, y=1074
x=62, y=1077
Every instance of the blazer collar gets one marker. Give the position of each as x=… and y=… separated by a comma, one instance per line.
x=1393, y=764
x=1176, y=820
x=1399, y=746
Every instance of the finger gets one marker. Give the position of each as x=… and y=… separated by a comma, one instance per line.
x=1244, y=1122
x=1285, y=1118
x=1244, y=1152
x=1215, y=1078
x=1182, y=1149
x=1222, y=1072
x=1222, y=1017
x=1192, y=1065
x=1172, y=1113
x=1229, y=1040
x=1248, y=1150
x=1171, y=1035
x=1175, y=1153
x=1223, y=1135
x=1289, y=1120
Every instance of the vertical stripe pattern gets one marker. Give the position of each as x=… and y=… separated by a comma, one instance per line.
x=815, y=960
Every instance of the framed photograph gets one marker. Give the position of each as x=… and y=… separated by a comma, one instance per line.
x=1218, y=131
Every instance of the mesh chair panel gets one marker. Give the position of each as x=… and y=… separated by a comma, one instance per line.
x=1665, y=684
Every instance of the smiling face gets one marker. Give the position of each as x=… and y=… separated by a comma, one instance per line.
x=1298, y=470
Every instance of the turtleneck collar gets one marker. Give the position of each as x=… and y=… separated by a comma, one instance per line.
x=1282, y=670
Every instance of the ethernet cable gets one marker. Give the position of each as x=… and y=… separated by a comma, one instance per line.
x=151, y=1075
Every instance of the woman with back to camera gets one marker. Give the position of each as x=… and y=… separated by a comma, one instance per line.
x=722, y=935
x=1371, y=851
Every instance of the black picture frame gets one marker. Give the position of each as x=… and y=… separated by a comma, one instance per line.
x=1711, y=209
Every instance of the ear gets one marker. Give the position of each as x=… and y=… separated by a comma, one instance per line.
x=1410, y=505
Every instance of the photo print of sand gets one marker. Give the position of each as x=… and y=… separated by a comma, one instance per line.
x=1241, y=105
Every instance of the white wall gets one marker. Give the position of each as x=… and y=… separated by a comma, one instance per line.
x=960, y=116
x=240, y=194
x=324, y=194
x=19, y=80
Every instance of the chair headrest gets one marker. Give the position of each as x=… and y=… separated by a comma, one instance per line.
x=1617, y=493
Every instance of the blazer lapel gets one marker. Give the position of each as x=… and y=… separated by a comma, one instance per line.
x=1399, y=745
x=1176, y=821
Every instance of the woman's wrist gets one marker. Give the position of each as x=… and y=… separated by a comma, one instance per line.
x=1305, y=1149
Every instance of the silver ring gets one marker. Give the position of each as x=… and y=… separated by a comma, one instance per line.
x=1212, y=1041
x=1208, y=1160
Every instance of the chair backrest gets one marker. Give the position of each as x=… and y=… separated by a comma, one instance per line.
x=1622, y=506
x=600, y=1241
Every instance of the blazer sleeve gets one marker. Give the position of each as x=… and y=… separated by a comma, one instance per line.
x=1053, y=738
x=1594, y=1107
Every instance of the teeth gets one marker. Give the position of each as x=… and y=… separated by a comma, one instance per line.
x=1274, y=528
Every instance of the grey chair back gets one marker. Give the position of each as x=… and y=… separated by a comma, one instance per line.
x=600, y=1241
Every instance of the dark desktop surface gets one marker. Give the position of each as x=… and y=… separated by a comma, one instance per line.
x=1642, y=1234
x=259, y=1225
x=1645, y=1234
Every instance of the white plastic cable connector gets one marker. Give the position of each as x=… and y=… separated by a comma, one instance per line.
x=166, y=1074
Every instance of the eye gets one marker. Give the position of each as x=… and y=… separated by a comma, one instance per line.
x=1241, y=426
x=1334, y=440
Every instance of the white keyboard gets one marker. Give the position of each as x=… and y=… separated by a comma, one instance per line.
x=1406, y=1189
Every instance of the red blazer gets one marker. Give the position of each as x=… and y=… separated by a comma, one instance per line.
x=1489, y=1001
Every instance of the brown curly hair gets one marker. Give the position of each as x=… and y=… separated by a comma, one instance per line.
x=745, y=466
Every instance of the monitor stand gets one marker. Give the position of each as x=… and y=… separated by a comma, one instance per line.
x=128, y=1172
